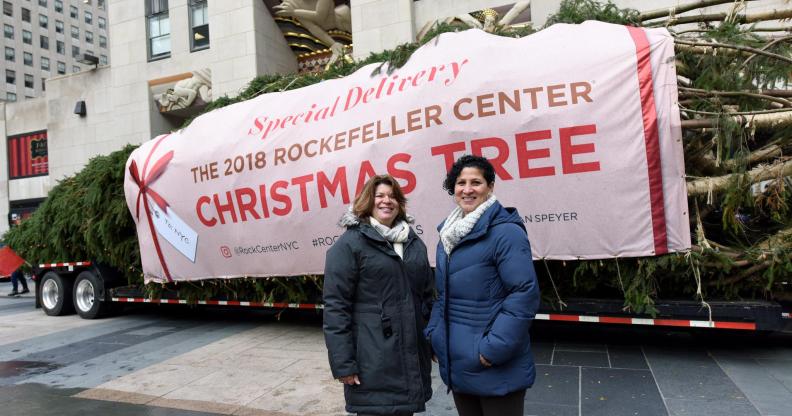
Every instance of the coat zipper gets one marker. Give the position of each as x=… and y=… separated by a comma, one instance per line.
x=447, y=325
x=409, y=291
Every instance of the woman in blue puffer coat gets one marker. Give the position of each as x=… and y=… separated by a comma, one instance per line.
x=488, y=296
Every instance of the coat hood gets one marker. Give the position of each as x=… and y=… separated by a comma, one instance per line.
x=349, y=219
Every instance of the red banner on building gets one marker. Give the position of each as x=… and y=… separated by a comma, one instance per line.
x=27, y=155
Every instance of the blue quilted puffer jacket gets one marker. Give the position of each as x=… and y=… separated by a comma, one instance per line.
x=488, y=298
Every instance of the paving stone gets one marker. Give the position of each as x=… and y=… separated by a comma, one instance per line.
x=627, y=357
x=546, y=409
x=12, y=308
x=555, y=385
x=36, y=344
x=781, y=370
x=775, y=353
x=615, y=392
x=759, y=382
x=542, y=352
x=581, y=358
x=33, y=324
x=38, y=400
x=233, y=386
x=719, y=407
x=108, y=367
x=308, y=395
x=159, y=379
x=583, y=347
x=690, y=374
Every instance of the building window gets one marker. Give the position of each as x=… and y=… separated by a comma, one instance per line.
x=43, y=3
x=45, y=63
x=43, y=84
x=158, y=29
x=58, y=26
x=75, y=32
x=199, y=25
x=25, y=15
x=8, y=30
x=89, y=36
x=10, y=97
x=10, y=77
x=88, y=18
x=43, y=21
x=101, y=4
x=29, y=81
x=27, y=57
x=8, y=9
x=60, y=47
x=103, y=59
x=75, y=68
x=75, y=51
x=27, y=155
x=59, y=6
x=73, y=12
x=44, y=42
x=101, y=22
x=27, y=37
x=10, y=55
x=61, y=67
x=102, y=41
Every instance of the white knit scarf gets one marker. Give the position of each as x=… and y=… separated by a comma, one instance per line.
x=397, y=234
x=458, y=225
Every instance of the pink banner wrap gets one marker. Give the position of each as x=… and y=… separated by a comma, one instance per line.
x=580, y=122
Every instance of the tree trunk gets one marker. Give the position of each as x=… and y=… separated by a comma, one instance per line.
x=654, y=14
x=760, y=173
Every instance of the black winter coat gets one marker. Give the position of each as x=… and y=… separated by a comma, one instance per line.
x=376, y=307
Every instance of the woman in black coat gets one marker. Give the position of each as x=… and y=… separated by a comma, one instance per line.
x=377, y=294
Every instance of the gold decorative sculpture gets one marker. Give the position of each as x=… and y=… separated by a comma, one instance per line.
x=319, y=16
x=486, y=19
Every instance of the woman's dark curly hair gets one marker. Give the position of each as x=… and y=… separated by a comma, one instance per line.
x=468, y=161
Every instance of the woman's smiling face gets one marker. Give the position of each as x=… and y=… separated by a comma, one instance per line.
x=386, y=208
x=471, y=189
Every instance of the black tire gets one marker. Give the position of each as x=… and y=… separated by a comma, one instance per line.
x=86, y=294
x=56, y=294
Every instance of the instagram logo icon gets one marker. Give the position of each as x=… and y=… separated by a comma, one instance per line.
x=225, y=251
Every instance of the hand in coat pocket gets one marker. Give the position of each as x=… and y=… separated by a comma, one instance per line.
x=484, y=361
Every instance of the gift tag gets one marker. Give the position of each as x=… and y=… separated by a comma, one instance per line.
x=174, y=230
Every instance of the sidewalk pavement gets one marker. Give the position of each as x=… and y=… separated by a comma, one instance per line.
x=157, y=359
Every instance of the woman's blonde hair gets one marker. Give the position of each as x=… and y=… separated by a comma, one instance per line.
x=364, y=202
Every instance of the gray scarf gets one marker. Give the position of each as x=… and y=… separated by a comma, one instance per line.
x=396, y=234
x=458, y=225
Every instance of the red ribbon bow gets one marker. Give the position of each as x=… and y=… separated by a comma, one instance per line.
x=144, y=182
x=144, y=185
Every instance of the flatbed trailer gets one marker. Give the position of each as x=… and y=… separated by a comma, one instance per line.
x=93, y=290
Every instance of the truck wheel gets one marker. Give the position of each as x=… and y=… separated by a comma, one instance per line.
x=86, y=296
x=56, y=294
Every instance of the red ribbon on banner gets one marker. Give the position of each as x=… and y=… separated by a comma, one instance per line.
x=144, y=189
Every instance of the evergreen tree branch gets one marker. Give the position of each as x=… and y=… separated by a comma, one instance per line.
x=764, y=48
